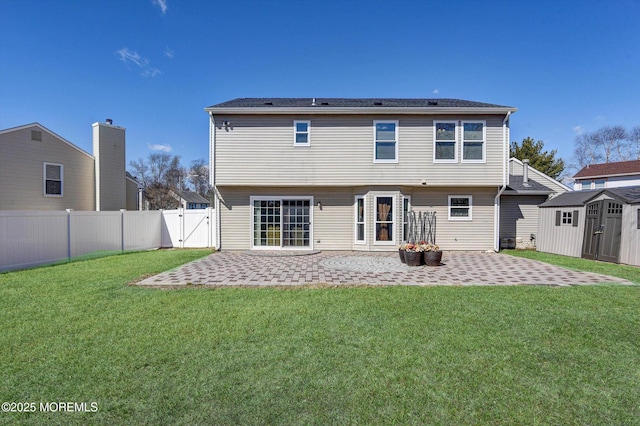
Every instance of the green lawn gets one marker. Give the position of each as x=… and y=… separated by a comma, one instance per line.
x=360, y=355
x=631, y=273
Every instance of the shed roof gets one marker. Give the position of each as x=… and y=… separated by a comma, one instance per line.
x=628, y=195
x=192, y=197
x=618, y=168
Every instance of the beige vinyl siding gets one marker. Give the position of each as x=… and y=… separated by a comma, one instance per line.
x=564, y=239
x=132, y=195
x=334, y=224
x=259, y=150
x=21, y=172
x=630, y=244
x=476, y=234
x=519, y=216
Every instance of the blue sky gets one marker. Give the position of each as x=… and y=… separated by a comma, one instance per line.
x=154, y=65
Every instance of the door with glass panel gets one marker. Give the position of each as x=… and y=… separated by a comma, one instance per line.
x=282, y=223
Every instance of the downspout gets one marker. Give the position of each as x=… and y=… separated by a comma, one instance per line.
x=505, y=181
x=212, y=177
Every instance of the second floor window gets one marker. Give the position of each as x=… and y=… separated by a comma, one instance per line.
x=445, y=149
x=473, y=141
x=385, y=142
x=301, y=130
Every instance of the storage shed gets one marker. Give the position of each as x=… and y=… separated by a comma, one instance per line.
x=599, y=224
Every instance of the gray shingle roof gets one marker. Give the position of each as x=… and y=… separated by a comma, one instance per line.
x=192, y=197
x=516, y=183
x=352, y=103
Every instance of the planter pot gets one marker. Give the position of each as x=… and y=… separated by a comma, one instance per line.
x=413, y=258
x=432, y=258
x=401, y=254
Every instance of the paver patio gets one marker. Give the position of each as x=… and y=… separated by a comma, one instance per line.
x=230, y=268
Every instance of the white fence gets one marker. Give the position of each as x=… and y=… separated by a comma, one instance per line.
x=32, y=238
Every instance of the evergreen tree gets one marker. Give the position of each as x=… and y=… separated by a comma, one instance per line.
x=543, y=161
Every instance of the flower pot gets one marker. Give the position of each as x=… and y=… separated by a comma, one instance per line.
x=401, y=254
x=413, y=258
x=432, y=258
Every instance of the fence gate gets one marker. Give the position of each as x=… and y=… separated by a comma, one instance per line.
x=603, y=231
x=185, y=228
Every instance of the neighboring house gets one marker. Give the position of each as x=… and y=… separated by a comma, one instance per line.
x=191, y=200
x=134, y=193
x=608, y=175
x=40, y=170
x=527, y=189
x=601, y=224
x=340, y=174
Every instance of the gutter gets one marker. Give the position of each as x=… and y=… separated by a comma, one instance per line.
x=360, y=111
x=505, y=182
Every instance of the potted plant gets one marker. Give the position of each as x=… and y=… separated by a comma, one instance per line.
x=401, y=249
x=413, y=254
x=432, y=255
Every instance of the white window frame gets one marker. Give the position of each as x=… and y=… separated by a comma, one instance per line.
x=403, y=212
x=296, y=133
x=375, y=141
x=484, y=141
x=44, y=179
x=253, y=198
x=393, y=222
x=566, y=218
x=460, y=218
x=364, y=219
x=455, y=142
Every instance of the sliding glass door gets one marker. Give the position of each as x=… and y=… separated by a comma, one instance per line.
x=282, y=223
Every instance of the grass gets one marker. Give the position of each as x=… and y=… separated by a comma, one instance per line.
x=631, y=273
x=359, y=355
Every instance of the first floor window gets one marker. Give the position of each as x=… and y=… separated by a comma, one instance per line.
x=53, y=174
x=281, y=223
x=386, y=142
x=460, y=207
x=406, y=206
x=473, y=140
x=360, y=220
x=384, y=215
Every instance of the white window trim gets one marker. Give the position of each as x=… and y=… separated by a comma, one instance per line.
x=458, y=218
x=484, y=141
x=44, y=180
x=356, y=223
x=253, y=198
x=395, y=160
x=308, y=132
x=455, y=146
x=408, y=198
x=566, y=218
x=394, y=215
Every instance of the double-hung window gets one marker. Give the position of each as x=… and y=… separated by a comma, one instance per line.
x=473, y=141
x=445, y=148
x=460, y=207
x=53, y=180
x=385, y=148
x=302, y=133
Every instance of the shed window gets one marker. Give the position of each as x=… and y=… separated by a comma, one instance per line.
x=567, y=218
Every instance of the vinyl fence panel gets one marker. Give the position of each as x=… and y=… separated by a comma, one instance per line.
x=142, y=230
x=32, y=238
x=95, y=231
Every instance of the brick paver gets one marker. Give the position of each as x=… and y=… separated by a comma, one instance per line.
x=230, y=268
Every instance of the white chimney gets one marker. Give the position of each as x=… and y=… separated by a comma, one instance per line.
x=525, y=171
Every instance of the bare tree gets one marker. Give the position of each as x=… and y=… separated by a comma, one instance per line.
x=199, y=177
x=159, y=175
x=607, y=144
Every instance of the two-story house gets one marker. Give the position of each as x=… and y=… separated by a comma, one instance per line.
x=608, y=175
x=339, y=174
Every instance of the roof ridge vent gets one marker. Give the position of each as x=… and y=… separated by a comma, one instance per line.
x=377, y=103
x=432, y=103
x=268, y=103
x=324, y=103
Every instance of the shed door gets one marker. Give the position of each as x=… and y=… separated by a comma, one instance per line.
x=603, y=231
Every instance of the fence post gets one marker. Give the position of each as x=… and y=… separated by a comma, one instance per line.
x=69, y=233
x=122, y=230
